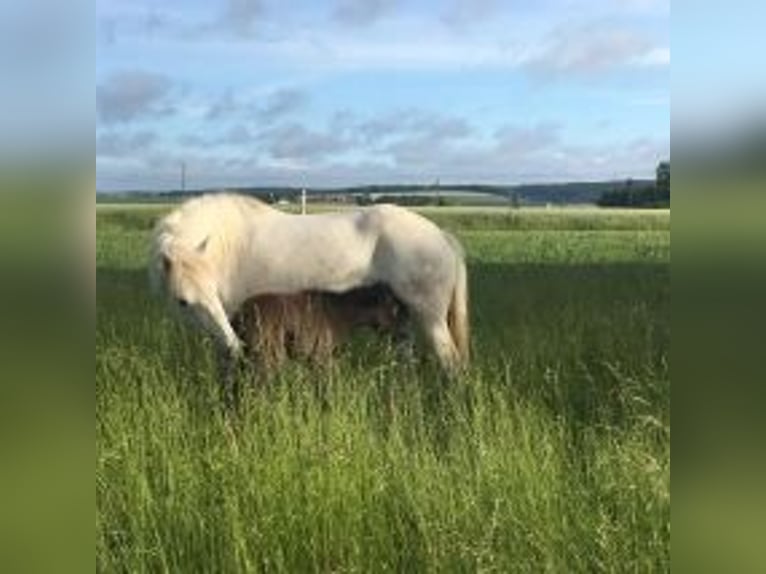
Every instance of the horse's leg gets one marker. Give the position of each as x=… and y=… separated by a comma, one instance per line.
x=228, y=377
x=427, y=304
x=438, y=335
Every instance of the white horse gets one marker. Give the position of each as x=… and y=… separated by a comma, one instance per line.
x=217, y=251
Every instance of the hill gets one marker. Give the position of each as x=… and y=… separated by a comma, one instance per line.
x=572, y=193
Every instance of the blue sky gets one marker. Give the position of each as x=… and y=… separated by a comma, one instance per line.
x=342, y=92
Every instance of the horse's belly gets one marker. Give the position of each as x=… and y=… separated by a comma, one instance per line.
x=338, y=270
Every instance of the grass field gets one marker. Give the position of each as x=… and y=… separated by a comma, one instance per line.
x=552, y=455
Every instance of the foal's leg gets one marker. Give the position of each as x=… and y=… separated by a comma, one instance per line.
x=402, y=336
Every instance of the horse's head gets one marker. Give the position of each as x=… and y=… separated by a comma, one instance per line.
x=190, y=281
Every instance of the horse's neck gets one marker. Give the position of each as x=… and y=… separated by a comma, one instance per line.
x=250, y=254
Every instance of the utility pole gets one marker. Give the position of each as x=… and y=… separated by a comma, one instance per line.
x=183, y=177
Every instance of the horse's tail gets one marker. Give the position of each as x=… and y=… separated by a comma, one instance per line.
x=457, y=318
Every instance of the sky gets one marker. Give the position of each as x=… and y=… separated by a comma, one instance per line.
x=352, y=92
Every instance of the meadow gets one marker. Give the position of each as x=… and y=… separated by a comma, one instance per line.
x=551, y=455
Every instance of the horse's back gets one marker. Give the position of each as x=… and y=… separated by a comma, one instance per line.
x=402, y=224
x=408, y=237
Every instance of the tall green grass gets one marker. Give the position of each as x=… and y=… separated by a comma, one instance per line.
x=552, y=454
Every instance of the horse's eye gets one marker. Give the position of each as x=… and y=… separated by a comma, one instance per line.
x=183, y=303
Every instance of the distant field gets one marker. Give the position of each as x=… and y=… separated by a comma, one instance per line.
x=552, y=455
x=575, y=217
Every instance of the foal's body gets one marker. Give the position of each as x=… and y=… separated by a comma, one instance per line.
x=311, y=325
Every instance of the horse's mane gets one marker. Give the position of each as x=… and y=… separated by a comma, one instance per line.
x=207, y=213
x=197, y=220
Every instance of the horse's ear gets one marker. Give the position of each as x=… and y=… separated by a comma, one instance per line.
x=167, y=264
x=203, y=245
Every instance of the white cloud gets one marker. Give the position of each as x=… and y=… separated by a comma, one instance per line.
x=298, y=143
x=266, y=108
x=592, y=48
x=131, y=95
x=242, y=16
x=464, y=14
x=283, y=102
x=362, y=12
x=655, y=57
x=398, y=54
x=119, y=145
x=411, y=122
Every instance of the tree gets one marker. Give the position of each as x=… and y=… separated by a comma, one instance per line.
x=663, y=177
x=364, y=199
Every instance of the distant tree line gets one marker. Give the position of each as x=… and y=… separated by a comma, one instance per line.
x=656, y=195
x=635, y=197
x=402, y=199
x=638, y=193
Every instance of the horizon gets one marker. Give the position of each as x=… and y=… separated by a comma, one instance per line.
x=405, y=186
x=371, y=92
